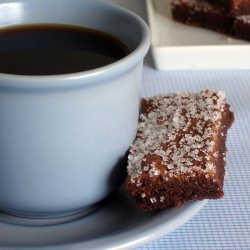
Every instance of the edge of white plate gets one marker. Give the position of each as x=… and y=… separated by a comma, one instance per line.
x=233, y=56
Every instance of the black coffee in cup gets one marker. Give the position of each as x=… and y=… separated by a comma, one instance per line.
x=51, y=49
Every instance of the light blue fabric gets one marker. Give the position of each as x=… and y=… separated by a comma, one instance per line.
x=221, y=224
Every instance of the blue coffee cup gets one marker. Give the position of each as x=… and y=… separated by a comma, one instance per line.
x=63, y=136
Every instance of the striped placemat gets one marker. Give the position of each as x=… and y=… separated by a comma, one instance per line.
x=225, y=223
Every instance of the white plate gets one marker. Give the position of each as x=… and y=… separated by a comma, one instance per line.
x=116, y=225
x=179, y=46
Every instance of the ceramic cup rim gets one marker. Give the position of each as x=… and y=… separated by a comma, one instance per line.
x=60, y=80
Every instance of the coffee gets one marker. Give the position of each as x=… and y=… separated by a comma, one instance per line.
x=51, y=49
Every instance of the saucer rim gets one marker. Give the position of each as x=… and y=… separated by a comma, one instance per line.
x=148, y=231
x=140, y=234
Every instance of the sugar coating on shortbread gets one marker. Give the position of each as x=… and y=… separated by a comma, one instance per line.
x=179, y=152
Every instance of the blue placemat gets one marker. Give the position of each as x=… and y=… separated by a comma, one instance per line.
x=225, y=223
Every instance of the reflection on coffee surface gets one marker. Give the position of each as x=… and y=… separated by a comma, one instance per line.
x=51, y=49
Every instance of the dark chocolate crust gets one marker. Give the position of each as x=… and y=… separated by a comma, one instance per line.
x=241, y=27
x=243, y=8
x=226, y=4
x=166, y=187
x=234, y=7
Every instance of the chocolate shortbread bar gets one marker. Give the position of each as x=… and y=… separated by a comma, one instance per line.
x=202, y=13
x=222, y=16
x=179, y=152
